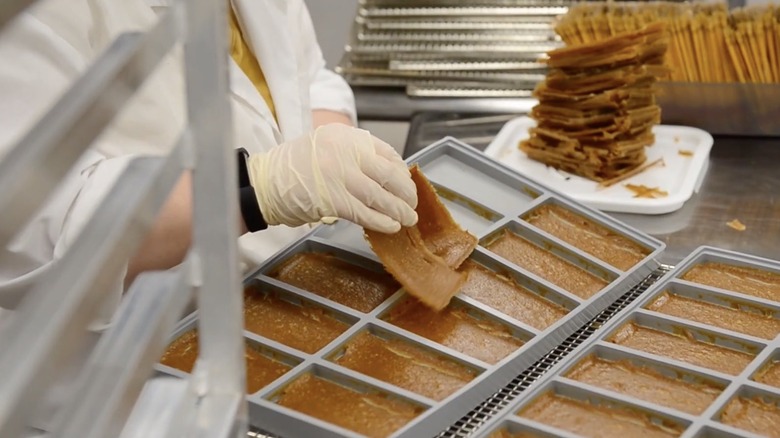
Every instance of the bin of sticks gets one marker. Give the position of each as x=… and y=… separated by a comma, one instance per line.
x=725, y=64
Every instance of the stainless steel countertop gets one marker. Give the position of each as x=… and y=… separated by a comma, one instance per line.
x=742, y=182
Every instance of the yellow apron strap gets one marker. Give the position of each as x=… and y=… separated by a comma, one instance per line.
x=242, y=54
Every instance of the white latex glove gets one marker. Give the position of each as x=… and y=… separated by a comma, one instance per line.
x=334, y=171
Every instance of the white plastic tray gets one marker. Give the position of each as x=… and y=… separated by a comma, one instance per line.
x=680, y=177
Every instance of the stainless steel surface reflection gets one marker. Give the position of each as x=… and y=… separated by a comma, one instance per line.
x=742, y=182
x=477, y=130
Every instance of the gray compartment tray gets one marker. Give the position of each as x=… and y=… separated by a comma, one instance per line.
x=484, y=197
x=763, y=349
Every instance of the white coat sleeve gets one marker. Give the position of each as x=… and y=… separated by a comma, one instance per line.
x=328, y=90
x=38, y=65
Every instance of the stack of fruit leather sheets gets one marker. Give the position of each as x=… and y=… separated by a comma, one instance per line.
x=597, y=105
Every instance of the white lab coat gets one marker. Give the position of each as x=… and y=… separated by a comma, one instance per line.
x=45, y=49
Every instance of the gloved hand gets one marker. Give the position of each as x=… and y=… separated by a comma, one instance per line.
x=334, y=171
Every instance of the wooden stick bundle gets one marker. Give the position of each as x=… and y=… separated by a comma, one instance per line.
x=707, y=42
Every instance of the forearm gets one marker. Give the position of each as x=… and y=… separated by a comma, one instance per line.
x=167, y=242
x=322, y=117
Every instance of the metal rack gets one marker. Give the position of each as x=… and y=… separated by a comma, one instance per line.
x=45, y=333
x=444, y=49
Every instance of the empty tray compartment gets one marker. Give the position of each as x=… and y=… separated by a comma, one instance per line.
x=290, y=319
x=459, y=327
x=468, y=213
x=263, y=364
x=581, y=412
x=703, y=348
x=335, y=274
x=560, y=266
x=390, y=358
x=347, y=235
x=345, y=402
x=648, y=380
x=573, y=226
x=509, y=292
x=479, y=179
x=717, y=309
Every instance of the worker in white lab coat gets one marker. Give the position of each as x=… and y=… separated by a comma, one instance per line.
x=273, y=102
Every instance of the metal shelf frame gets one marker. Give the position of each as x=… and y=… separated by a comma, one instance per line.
x=115, y=393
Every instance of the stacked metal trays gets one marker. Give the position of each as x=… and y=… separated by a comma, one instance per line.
x=765, y=352
x=443, y=48
x=485, y=198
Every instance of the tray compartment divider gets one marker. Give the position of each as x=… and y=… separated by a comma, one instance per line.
x=625, y=399
x=725, y=292
x=442, y=349
x=497, y=264
x=380, y=384
x=717, y=296
x=578, y=391
x=610, y=351
x=687, y=323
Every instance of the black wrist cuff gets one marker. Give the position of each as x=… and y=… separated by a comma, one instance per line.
x=243, y=172
x=250, y=210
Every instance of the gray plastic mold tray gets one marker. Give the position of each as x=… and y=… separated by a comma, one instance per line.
x=473, y=348
x=723, y=310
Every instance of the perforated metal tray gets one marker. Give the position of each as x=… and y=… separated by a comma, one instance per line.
x=484, y=197
x=763, y=349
